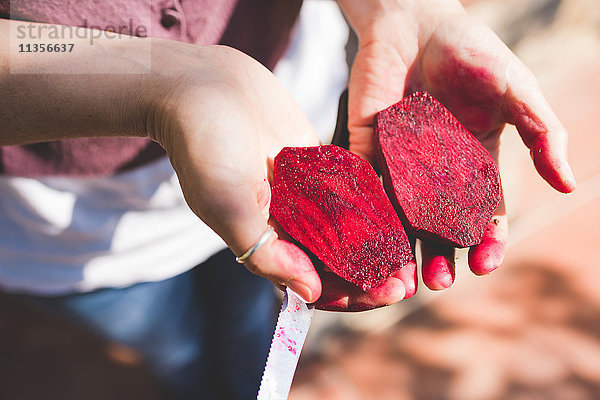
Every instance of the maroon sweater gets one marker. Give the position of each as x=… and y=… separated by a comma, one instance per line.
x=259, y=28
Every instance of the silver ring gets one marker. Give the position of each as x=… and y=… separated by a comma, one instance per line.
x=263, y=238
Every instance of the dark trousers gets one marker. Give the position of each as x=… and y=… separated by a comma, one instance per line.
x=205, y=334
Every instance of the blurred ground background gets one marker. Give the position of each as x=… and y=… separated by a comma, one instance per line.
x=531, y=330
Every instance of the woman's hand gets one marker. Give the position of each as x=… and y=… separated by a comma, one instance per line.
x=221, y=116
x=433, y=45
x=222, y=124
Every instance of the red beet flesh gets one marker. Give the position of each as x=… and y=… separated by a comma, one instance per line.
x=333, y=203
x=441, y=180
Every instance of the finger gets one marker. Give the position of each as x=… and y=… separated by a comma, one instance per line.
x=438, y=265
x=539, y=128
x=408, y=273
x=241, y=223
x=336, y=292
x=341, y=295
x=488, y=255
x=285, y=264
x=408, y=276
x=390, y=292
x=280, y=261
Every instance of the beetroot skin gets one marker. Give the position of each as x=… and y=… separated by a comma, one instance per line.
x=441, y=180
x=333, y=203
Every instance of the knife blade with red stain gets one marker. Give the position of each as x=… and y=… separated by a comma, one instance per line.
x=291, y=330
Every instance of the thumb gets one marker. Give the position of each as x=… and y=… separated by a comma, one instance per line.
x=377, y=80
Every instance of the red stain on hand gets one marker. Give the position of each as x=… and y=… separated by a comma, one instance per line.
x=468, y=83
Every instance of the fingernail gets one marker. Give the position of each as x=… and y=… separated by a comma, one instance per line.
x=301, y=290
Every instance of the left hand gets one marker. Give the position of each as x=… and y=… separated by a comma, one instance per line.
x=434, y=45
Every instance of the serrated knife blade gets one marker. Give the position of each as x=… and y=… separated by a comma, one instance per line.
x=291, y=330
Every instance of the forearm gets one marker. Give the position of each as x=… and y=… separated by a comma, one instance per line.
x=46, y=106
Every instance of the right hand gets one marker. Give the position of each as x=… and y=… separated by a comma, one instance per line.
x=434, y=45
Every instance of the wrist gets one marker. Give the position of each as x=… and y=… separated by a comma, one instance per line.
x=374, y=20
x=191, y=87
x=178, y=74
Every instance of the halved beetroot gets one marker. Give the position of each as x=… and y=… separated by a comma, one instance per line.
x=441, y=180
x=333, y=203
